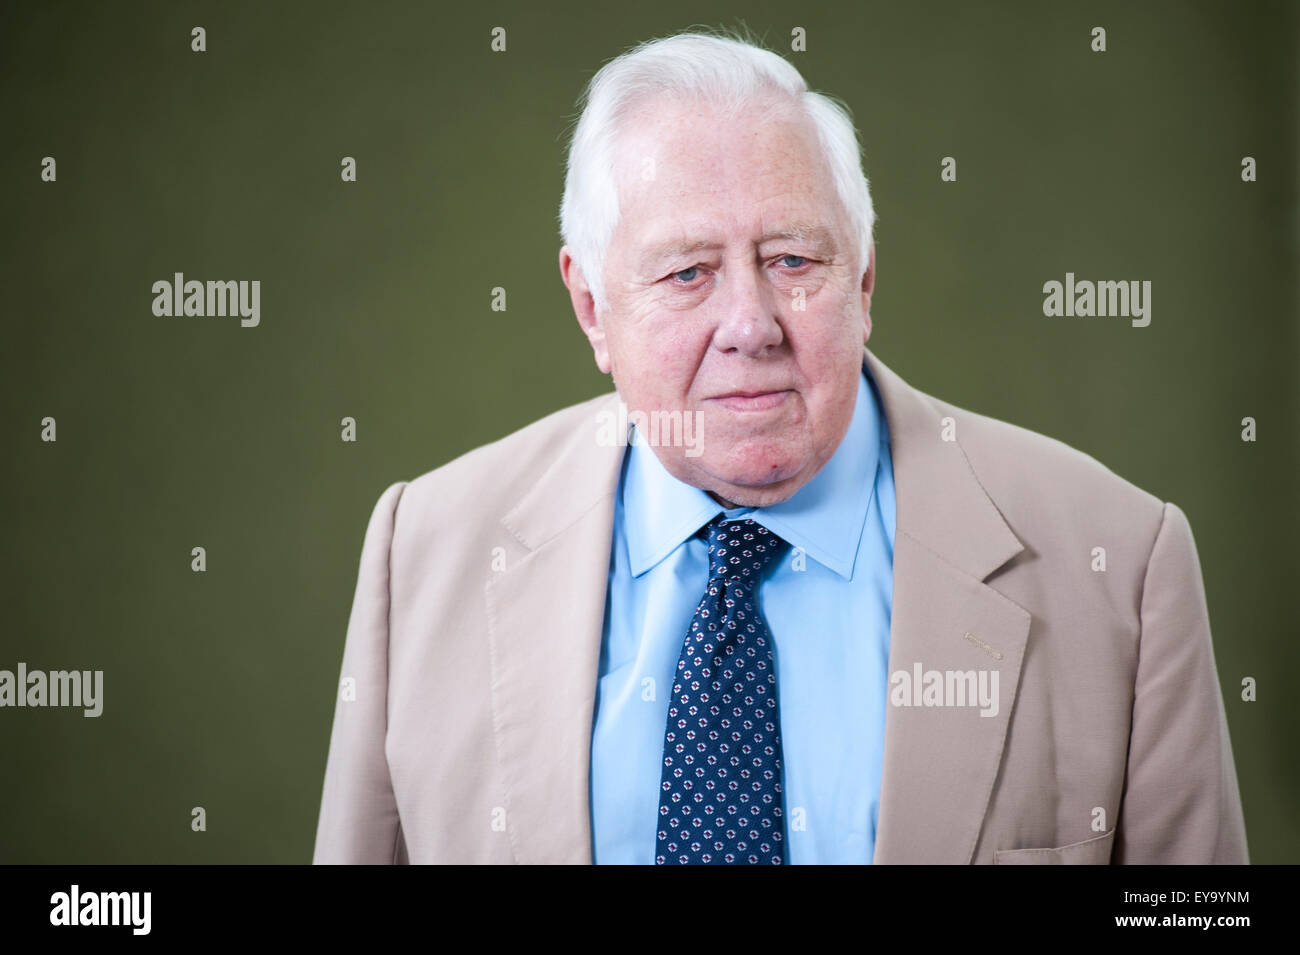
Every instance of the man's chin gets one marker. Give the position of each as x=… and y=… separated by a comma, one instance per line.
x=757, y=478
x=760, y=489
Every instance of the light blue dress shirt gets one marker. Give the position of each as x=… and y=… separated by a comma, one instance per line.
x=827, y=604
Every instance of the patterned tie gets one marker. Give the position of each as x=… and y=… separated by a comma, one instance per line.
x=720, y=790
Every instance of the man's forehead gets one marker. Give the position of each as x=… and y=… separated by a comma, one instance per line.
x=677, y=141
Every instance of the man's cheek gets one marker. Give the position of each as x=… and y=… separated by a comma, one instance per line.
x=802, y=293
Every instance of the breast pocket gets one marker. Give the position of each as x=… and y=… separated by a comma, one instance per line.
x=1095, y=851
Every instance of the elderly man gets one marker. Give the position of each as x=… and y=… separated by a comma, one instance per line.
x=804, y=613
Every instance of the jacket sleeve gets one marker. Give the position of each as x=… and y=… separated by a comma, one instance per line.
x=358, y=813
x=1181, y=803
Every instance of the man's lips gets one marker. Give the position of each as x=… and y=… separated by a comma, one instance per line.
x=752, y=400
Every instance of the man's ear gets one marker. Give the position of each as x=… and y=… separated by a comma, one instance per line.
x=584, y=307
x=868, y=286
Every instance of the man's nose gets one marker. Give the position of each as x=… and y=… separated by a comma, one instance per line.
x=747, y=308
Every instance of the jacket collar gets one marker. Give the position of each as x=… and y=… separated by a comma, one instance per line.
x=941, y=503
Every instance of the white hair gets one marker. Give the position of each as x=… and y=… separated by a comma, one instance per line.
x=730, y=73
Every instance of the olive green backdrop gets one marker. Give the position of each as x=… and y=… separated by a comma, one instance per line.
x=376, y=304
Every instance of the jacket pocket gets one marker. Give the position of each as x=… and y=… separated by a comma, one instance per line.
x=1095, y=851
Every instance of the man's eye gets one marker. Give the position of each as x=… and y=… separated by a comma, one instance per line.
x=686, y=275
x=798, y=261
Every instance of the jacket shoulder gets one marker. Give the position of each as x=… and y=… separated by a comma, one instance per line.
x=1039, y=481
x=495, y=475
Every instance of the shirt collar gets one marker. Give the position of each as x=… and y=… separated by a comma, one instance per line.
x=825, y=517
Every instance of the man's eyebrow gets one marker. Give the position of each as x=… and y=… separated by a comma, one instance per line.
x=668, y=250
x=820, y=236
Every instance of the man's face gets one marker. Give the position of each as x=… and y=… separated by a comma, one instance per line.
x=733, y=296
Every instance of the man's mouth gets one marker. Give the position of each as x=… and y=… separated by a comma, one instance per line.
x=752, y=400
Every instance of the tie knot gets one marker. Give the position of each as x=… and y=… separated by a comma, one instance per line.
x=739, y=549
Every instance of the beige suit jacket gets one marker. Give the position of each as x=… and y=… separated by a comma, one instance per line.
x=462, y=730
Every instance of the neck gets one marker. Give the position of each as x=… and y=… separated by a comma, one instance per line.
x=728, y=505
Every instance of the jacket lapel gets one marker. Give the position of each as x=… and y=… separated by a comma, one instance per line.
x=940, y=762
x=545, y=616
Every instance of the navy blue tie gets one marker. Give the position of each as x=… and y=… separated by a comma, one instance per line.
x=720, y=789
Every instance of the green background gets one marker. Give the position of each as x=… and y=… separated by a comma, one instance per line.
x=177, y=432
